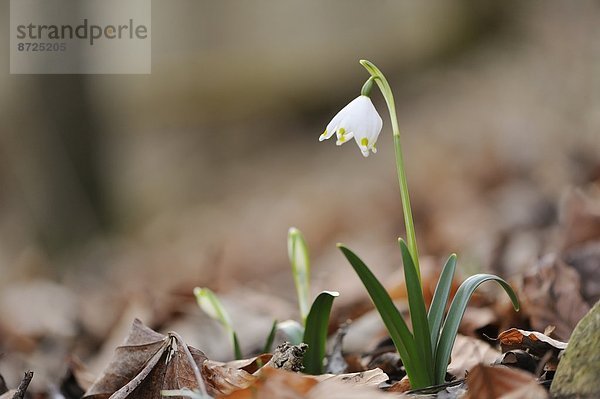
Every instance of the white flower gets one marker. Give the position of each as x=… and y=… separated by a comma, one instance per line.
x=359, y=120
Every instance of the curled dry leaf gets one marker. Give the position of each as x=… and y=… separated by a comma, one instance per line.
x=147, y=363
x=225, y=380
x=534, y=342
x=467, y=353
x=250, y=365
x=551, y=295
x=495, y=382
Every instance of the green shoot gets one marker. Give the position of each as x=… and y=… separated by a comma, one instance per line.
x=299, y=259
x=210, y=304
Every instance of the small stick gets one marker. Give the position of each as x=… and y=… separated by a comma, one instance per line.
x=20, y=394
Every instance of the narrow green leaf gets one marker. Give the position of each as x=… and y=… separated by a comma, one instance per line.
x=300, y=261
x=394, y=323
x=455, y=314
x=237, y=350
x=418, y=312
x=440, y=299
x=270, y=338
x=315, y=334
x=210, y=304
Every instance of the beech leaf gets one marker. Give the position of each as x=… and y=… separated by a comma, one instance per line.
x=534, y=342
x=492, y=382
x=146, y=364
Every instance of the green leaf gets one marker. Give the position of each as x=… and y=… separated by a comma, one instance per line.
x=270, y=338
x=455, y=314
x=300, y=261
x=315, y=334
x=440, y=299
x=210, y=304
x=395, y=324
x=237, y=350
x=418, y=312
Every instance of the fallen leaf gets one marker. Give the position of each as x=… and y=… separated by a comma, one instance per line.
x=281, y=384
x=551, y=295
x=518, y=359
x=372, y=378
x=499, y=382
x=469, y=352
x=275, y=383
x=336, y=389
x=534, y=342
x=400, y=386
x=226, y=380
x=147, y=363
x=250, y=365
x=390, y=363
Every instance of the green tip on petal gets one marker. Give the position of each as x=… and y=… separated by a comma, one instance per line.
x=364, y=141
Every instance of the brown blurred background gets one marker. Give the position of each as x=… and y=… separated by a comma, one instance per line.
x=111, y=185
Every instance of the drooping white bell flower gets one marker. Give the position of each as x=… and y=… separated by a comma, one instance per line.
x=359, y=120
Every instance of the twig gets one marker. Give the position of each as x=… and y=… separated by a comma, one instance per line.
x=20, y=394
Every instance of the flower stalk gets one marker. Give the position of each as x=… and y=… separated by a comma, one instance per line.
x=386, y=91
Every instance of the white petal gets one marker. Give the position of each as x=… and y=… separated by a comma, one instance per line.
x=325, y=135
x=359, y=120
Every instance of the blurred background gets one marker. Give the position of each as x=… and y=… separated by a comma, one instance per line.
x=118, y=194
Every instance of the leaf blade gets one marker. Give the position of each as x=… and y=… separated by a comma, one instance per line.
x=455, y=313
x=440, y=300
x=418, y=312
x=396, y=327
x=315, y=333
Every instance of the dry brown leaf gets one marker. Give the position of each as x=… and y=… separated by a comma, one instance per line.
x=372, y=378
x=499, y=382
x=147, y=363
x=281, y=384
x=534, y=342
x=336, y=389
x=518, y=359
x=401, y=386
x=551, y=295
x=467, y=353
x=275, y=383
x=250, y=365
x=225, y=380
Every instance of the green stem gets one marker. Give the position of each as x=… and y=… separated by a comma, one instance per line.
x=386, y=91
